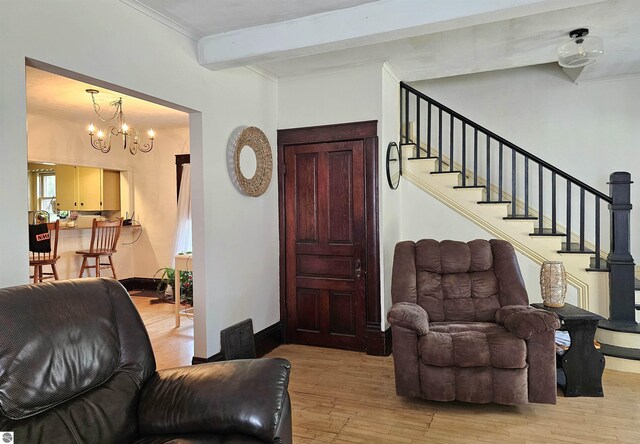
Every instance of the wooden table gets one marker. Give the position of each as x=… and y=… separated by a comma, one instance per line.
x=581, y=366
x=183, y=263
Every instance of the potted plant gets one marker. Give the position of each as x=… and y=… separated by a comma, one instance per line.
x=167, y=279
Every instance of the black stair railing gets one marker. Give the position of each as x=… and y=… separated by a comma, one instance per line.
x=529, y=180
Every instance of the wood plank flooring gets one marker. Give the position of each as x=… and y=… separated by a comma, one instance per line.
x=172, y=346
x=347, y=397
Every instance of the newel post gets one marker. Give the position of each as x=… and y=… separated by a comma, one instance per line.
x=621, y=265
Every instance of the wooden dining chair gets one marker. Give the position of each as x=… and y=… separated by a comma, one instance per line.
x=104, y=240
x=37, y=260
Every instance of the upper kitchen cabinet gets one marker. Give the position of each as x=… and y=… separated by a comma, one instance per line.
x=87, y=189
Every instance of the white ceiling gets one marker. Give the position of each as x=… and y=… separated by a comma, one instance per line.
x=62, y=98
x=206, y=17
x=420, y=39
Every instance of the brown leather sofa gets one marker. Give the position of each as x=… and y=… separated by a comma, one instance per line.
x=76, y=366
x=462, y=328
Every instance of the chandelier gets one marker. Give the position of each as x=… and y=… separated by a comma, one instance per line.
x=130, y=135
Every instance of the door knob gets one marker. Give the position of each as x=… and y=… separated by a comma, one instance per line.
x=358, y=268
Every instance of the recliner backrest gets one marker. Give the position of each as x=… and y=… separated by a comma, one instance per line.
x=458, y=281
x=73, y=357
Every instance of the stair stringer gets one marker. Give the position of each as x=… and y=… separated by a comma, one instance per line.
x=592, y=287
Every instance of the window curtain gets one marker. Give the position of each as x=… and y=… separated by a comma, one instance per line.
x=183, y=231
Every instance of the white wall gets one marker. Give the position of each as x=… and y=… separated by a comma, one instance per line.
x=391, y=211
x=235, y=261
x=588, y=130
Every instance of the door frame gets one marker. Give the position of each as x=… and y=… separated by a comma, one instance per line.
x=376, y=341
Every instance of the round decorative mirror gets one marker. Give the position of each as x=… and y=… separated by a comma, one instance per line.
x=252, y=161
x=394, y=165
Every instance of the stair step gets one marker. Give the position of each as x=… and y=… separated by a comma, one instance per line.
x=520, y=217
x=637, y=287
x=637, y=306
x=470, y=187
x=546, y=232
x=423, y=158
x=603, y=268
x=484, y=202
x=574, y=248
x=446, y=172
x=620, y=352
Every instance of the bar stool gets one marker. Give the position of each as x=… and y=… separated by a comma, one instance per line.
x=38, y=260
x=104, y=240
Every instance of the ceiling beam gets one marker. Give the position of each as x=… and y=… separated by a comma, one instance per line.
x=370, y=23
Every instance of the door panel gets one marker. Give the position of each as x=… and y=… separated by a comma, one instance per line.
x=307, y=197
x=325, y=244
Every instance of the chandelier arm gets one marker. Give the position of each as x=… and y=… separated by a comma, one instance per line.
x=96, y=109
x=145, y=148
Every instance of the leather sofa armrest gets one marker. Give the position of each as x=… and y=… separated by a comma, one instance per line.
x=525, y=321
x=235, y=397
x=410, y=316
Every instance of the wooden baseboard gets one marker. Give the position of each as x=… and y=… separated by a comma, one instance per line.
x=137, y=283
x=265, y=340
x=379, y=342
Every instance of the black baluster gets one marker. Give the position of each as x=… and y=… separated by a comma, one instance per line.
x=475, y=157
x=429, y=129
x=488, y=169
x=418, y=148
x=406, y=116
x=464, y=154
x=568, y=235
x=581, y=219
x=597, y=264
x=554, y=225
x=440, y=139
x=514, y=188
x=540, y=201
x=500, y=172
x=526, y=187
x=451, y=143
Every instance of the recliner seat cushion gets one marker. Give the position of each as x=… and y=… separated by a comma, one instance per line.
x=473, y=344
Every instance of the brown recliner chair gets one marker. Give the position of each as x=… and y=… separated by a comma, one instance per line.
x=76, y=366
x=462, y=327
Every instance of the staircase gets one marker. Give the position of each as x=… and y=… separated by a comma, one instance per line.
x=547, y=214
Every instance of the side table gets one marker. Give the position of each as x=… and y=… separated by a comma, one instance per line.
x=581, y=366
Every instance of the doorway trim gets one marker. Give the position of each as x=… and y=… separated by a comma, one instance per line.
x=377, y=341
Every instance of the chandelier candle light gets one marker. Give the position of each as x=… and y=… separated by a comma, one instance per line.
x=130, y=135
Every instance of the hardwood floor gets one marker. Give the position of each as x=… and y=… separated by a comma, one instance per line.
x=348, y=397
x=172, y=346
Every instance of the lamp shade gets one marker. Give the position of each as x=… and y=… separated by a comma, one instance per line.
x=581, y=50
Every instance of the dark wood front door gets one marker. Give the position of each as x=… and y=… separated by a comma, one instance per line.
x=325, y=243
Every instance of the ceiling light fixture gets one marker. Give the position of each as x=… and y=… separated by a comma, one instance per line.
x=581, y=50
x=130, y=135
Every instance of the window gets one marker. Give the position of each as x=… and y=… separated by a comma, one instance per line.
x=47, y=193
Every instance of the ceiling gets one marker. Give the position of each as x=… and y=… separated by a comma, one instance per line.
x=420, y=39
x=206, y=17
x=62, y=98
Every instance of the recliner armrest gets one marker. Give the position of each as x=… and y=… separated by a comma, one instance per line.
x=525, y=321
x=234, y=397
x=410, y=316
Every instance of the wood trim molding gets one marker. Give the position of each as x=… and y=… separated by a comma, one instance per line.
x=378, y=342
x=137, y=283
x=180, y=160
x=367, y=131
x=265, y=340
